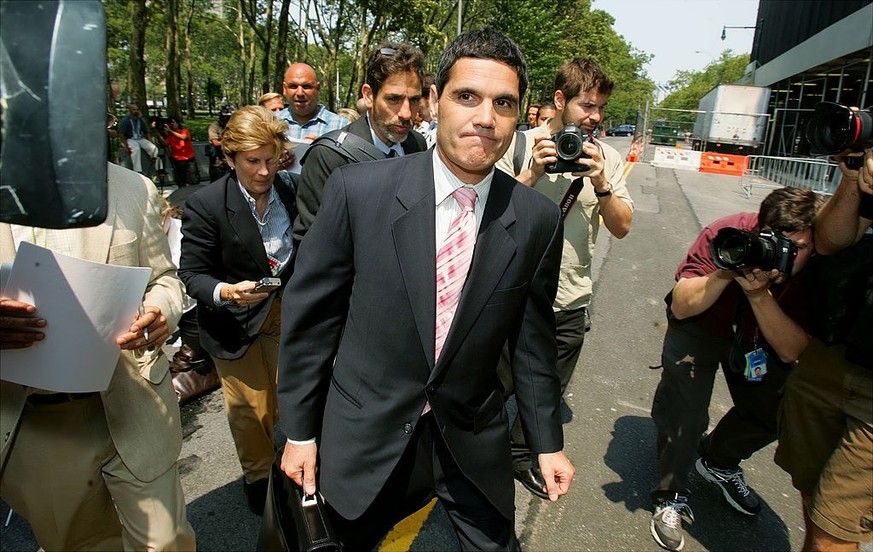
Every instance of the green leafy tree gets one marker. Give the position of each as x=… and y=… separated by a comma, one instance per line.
x=690, y=86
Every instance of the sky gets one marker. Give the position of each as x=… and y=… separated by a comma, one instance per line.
x=675, y=30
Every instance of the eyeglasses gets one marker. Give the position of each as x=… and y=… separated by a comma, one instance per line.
x=387, y=51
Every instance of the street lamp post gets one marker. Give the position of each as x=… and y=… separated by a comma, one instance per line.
x=726, y=27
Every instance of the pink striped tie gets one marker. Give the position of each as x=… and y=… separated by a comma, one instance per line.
x=453, y=263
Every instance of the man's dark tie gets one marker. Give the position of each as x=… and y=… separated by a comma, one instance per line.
x=392, y=153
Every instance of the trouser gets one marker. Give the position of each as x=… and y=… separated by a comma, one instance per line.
x=826, y=440
x=137, y=145
x=425, y=470
x=185, y=172
x=66, y=478
x=250, y=398
x=690, y=359
x=570, y=328
x=189, y=331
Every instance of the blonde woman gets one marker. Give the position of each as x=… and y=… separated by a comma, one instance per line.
x=236, y=231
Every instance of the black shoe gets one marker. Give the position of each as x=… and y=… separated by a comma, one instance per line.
x=532, y=480
x=256, y=494
x=732, y=483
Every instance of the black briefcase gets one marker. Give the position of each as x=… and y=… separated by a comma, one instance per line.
x=294, y=522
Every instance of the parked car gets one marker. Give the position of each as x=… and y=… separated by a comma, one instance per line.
x=621, y=130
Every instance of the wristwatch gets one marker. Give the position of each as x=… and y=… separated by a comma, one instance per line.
x=608, y=192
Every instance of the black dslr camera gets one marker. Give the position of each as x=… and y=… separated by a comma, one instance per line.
x=835, y=128
x=568, y=141
x=733, y=249
x=159, y=123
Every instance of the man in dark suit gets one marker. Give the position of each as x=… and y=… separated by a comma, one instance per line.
x=380, y=379
x=392, y=95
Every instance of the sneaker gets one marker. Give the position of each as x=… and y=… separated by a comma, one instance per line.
x=733, y=486
x=666, y=524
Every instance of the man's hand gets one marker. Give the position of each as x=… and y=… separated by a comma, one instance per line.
x=756, y=281
x=544, y=152
x=287, y=159
x=864, y=175
x=298, y=463
x=158, y=331
x=592, y=167
x=557, y=472
x=18, y=325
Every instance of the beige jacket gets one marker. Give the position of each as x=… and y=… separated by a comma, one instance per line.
x=140, y=403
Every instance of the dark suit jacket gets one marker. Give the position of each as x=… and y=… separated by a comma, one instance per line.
x=356, y=360
x=221, y=243
x=321, y=161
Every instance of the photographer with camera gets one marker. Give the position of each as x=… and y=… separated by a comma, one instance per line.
x=178, y=139
x=826, y=415
x=584, y=177
x=218, y=166
x=739, y=303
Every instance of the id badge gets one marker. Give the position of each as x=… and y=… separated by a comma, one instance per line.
x=756, y=365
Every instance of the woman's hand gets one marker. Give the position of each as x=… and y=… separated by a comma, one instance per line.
x=241, y=293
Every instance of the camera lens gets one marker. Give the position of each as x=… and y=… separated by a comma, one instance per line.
x=569, y=146
x=835, y=128
x=733, y=251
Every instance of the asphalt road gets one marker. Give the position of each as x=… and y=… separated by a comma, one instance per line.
x=609, y=434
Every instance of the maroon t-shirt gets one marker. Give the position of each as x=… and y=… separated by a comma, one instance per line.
x=721, y=316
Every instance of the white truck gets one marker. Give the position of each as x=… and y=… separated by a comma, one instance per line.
x=732, y=119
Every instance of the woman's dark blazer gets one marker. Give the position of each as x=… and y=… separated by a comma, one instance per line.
x=221, y=243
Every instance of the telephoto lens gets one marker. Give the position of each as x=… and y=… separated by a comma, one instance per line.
x=835, y=128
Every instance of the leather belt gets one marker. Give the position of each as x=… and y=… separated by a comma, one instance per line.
x=58, y=398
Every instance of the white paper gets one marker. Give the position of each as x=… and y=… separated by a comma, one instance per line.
x=299, y=149
x=86, y=306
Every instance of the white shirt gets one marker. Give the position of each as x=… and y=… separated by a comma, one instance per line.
x=447, y=208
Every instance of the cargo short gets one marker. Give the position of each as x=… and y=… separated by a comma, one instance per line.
x=826, y=440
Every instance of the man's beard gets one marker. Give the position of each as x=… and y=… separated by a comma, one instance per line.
x=392, y=136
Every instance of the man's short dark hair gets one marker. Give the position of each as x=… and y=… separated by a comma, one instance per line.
x=389, y=58
x=484, y=43
x=426, y=83
x=582, y=75
x=789, y=209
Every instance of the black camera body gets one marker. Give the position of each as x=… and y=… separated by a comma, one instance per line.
x=568, y=141
x=735, y=249
x=159, y=123
x=835, y=128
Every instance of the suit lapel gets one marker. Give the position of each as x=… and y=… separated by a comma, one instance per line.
x=495, y=248
x=98, y=239
x=243, y=223
x=414, y=244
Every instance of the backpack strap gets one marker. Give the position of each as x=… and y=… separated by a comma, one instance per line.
x=518, y=153
x=350, y=147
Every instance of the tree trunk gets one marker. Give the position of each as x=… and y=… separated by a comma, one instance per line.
x=174, y=88
x=246, y=98
x=267, y=39
x=243, y=57
x=189, y=73
x=136, y=73
x=281, y=47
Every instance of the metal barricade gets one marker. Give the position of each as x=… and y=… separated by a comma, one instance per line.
x=764, y=171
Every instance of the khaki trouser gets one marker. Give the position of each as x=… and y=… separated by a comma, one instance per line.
x=65, y=477
x=249, y=386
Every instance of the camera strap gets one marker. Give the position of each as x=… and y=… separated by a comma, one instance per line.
x=571, y=196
